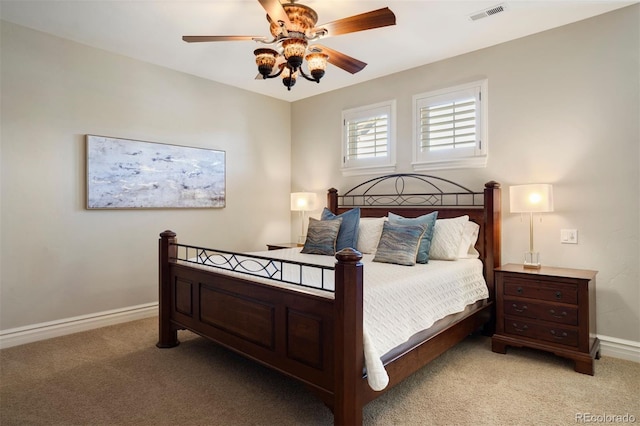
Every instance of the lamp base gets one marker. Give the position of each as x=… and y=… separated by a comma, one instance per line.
x=532, y=260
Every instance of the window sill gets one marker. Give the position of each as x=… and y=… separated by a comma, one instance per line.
x=457, y=163
x=359, y=171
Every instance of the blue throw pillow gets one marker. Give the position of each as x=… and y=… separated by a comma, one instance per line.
x=425, y=243
x=348, y=235
x=321, y=237
x=399, y=243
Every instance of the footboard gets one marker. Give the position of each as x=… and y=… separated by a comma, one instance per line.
x=315, y=339
x=311, y=338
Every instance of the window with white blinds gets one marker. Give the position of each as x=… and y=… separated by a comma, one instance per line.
x=368, y=139
x=450, y=127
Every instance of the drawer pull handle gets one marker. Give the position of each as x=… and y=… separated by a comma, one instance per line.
x=519, y=290
x=515, y=308
x=523, y=329
x=559, y=336
x=553, y=314
x=558, y=295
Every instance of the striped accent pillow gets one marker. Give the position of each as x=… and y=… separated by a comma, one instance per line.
x=399, y=243
x=425, y=244
x=322, y=236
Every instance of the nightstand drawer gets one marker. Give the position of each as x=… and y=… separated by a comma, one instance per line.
x=547, y=312
x=554, y=292
x=532, y=330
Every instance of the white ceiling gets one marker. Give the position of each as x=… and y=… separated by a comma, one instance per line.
x=426, y=31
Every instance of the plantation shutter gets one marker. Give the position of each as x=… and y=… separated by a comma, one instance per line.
x=449, y=125
x=367, y=137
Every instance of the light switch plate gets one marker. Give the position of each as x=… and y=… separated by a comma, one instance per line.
x=569, y=236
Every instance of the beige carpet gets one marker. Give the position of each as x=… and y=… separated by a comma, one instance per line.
x=116, y=376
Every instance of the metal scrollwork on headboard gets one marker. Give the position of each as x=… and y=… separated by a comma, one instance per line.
x=399, y=190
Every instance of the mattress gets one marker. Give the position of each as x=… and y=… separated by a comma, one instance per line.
x=399, y=301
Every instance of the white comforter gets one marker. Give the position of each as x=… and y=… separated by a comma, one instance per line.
x=400, y=301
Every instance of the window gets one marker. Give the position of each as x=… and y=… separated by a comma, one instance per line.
x=450, y=128
x=368, y=137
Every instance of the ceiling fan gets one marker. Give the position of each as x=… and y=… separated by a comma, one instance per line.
x=293, y=27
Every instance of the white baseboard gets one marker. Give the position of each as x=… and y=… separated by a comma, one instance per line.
x=47, y=330
x=609, y=346
x=619, y=348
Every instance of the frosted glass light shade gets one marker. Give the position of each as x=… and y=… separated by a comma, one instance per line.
x=266, y=60
x=532, y=198
x=317, y=63
x=303, y=201
x=294, y=49
x=288, y=78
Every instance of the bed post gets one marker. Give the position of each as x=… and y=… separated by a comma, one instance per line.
x=332, y=200
x=348, y=345
x=492, y=233
x=168, y=335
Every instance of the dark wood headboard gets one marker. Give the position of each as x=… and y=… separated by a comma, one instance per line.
x=413, y=195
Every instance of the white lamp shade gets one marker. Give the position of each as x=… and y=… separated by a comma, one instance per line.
x=303, y=201
x=531, y=198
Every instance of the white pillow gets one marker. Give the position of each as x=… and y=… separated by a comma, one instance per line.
x=447, y=237
x=369, y=233
x=467, y=249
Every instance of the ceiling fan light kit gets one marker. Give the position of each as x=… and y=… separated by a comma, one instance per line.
x=266, y=60
x=289, y=76
x=294, y=50
x=293, y=26
x=317, y=63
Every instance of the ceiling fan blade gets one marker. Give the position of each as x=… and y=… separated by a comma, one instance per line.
x=340, y=60
x=275, y=11
x=364, y=21
x=198, y=39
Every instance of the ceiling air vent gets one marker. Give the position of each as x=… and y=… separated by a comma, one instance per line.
x=488, y=12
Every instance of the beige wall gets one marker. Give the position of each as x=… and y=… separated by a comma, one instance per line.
x=60, y=260
x=563, y=109
x=563, y=105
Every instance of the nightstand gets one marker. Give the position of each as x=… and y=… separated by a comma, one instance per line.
x=279, y=246
x=552, y=309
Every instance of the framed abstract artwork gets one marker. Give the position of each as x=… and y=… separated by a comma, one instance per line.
x=130, y=174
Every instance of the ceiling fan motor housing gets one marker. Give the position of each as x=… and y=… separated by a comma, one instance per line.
x=302, y=19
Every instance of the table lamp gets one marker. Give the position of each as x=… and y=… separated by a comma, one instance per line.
x=303, y=202
x=533, y=198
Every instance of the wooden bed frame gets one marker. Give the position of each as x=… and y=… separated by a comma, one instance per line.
x=315, y=339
